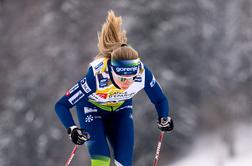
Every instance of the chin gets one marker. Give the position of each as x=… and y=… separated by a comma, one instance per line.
x=125, y=87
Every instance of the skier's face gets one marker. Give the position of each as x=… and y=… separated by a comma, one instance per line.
x=123, y=81
x=124, y=72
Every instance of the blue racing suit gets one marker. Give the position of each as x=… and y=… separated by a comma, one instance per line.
x=105, y=111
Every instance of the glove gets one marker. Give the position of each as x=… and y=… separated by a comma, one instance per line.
x=77, y=136
x=165, y=124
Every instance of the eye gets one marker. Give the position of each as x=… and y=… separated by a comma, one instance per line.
x=122, y=79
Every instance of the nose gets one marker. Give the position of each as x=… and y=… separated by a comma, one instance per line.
x=128, y=82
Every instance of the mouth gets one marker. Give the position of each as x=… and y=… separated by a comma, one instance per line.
x=125, y=86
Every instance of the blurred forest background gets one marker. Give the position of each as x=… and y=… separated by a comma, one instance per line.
x=199, y=50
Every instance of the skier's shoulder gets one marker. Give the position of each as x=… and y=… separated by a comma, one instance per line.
x=99, y=65
x=149, y=77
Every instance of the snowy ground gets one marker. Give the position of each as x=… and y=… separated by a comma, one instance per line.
x=211, y=150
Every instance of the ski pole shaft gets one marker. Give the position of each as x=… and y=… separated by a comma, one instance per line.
x=72, y=155
x=161, y=136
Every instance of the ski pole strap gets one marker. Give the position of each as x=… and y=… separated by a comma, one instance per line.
x=72, y=155
x=161, y=136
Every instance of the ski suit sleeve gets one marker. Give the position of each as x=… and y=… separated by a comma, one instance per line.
x=79, y=92
x=155, y=94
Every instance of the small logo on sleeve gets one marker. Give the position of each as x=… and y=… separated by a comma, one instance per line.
x=152, y=83
x=70, y=91
x=76, y=97
x=85, y=86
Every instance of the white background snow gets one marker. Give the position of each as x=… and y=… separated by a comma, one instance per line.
x=210, y=149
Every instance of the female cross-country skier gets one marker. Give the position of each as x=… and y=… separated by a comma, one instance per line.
x=103, y=98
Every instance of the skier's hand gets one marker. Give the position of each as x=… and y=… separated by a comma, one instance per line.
x=165, y=124
x=77, y=136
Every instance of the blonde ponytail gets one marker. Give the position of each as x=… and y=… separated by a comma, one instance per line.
x=111, y=35
x=112, y=40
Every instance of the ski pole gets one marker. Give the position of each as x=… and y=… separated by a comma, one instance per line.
x=72, y=155
x=161, y=136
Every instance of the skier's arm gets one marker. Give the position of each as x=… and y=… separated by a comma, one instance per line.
x=156, y=94
x=80, y=91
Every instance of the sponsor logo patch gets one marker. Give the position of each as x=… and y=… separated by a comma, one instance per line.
x=76, y=97
x=126, y=69
x=102, y=95
x=121, y=95
x=98, y=66
x=138, y=79
x=103, y=83
x=85, y=86
x=70, y=91
x=89, y=110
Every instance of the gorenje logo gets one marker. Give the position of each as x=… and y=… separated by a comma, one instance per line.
x=127, y=69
